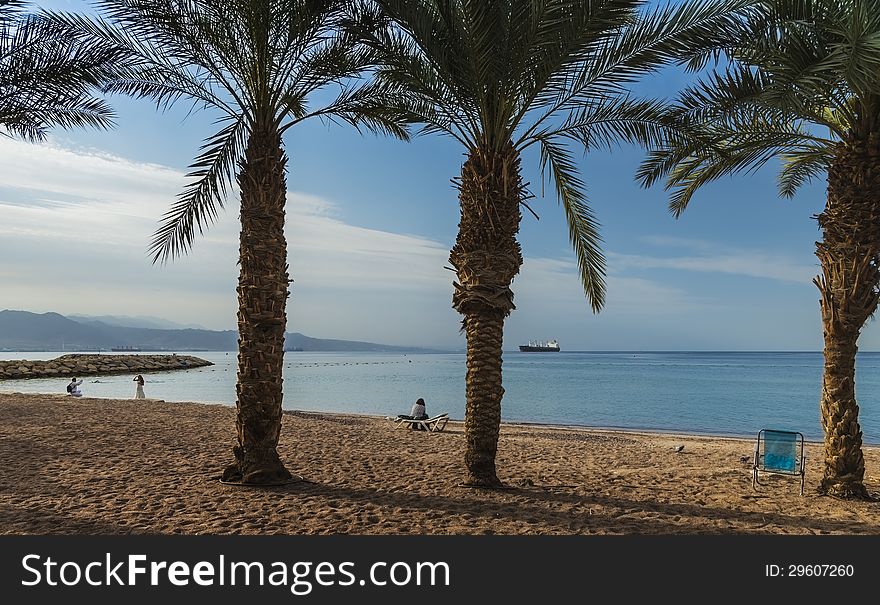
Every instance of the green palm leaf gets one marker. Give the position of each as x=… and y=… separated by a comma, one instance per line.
x=809, y=162
x=50, y=75
x=583, y=227
x=196, y=207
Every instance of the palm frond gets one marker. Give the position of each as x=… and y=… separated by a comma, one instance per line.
x=657, y=37
x=558, y=38
x=806, y=66
x=196, y=207
x=9, y=9
x=422, y=57
x=697, y=154
x=33, y=123
x=50, y=75
x=606, y=121
x=801, y=167
x=369, y=106
x=163, y=60
x=583, y=227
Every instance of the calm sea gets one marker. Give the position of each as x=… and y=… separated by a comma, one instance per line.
x=729, y=393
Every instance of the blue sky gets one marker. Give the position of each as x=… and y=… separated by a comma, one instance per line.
x=370, y=223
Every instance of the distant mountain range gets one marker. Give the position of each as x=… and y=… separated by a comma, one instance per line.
x=126, y=321
x=25, y=331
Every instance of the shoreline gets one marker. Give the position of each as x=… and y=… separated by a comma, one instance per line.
x=511, y=423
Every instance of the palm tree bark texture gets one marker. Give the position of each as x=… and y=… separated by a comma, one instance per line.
x=262, y=299
x=486, y=258
x=849, y=255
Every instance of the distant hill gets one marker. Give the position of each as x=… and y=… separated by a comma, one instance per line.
x=25, y=331
x=296, y=341
x=125, y=321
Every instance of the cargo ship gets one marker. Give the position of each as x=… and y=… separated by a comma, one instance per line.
x=550, y=346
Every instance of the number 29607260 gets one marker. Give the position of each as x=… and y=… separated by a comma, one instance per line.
x=814, y=569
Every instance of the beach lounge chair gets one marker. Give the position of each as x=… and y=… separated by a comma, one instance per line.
x=781, y=453
x=434, y=424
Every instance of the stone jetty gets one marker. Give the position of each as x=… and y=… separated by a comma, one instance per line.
x=90, y=365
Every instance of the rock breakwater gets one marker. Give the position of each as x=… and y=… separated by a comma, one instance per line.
x=90, y=365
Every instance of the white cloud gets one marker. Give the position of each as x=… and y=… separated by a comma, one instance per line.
x=545, y=281
x=669, y=241
x=749, y=263
x=326, y=252
x=113, y=184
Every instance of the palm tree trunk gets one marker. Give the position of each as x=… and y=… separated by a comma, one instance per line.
x=849, y=283
x=486, y=257
x=262, y=319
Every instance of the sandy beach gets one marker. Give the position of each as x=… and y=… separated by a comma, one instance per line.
x=108, y=466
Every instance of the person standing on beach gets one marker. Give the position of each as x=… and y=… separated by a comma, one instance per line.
x=73, y=387
x=139, y=392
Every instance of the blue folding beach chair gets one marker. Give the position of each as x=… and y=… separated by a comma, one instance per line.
x=781, y=453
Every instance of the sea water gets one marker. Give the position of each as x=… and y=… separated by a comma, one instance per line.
x=727, y=393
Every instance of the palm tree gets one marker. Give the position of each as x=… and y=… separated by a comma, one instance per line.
x=501, y=76
x=257, y=63
x=49, y=75
x=803, y=85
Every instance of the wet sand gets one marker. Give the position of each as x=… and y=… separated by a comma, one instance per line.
x=110, y=466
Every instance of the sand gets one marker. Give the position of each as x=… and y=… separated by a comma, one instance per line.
x=107, y=466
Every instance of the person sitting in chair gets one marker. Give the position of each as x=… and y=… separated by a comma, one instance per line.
x=418, y=413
